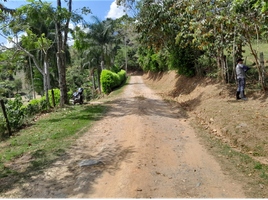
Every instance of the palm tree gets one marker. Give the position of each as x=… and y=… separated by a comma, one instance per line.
x=102, y=34
x=92, y=60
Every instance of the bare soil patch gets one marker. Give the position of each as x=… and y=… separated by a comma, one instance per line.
x=241, y=125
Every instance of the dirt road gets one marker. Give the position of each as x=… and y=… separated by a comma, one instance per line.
x=146, y=149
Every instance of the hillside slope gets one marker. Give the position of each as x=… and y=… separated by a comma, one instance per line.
x=241, y=124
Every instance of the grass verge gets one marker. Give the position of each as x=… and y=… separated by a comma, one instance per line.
x=45, y=140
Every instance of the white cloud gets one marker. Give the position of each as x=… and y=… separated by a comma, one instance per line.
x=10, y=44
x=115, y=11
x=70, y=42
x=71, y=26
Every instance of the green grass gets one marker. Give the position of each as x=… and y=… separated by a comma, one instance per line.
x=49, y=137
x=46, y=140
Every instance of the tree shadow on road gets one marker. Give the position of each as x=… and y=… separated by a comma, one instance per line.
x=142, y=106
x=63, y=176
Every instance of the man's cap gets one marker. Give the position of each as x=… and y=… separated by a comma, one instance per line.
x=239, y=59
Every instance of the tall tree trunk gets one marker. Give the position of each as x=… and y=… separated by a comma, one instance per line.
x=102, y=60
x=222, y=65
x=60, y=66
x=45, y=78
x=99, y=82
x=93, y=79
x=48, y=76
x=94, y=85
x=126, y=54
x=219, y=61
x=257, y=62
x=222, y=56
x=234, y=59
x=61, y=61
x=32, y=77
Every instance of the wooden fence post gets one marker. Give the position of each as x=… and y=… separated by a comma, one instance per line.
x=262, y=67
x=53, y=99
x=5, y=115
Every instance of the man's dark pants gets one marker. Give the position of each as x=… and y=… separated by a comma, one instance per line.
x=241, y=86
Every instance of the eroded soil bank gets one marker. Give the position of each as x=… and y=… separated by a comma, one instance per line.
x=146, y=148
x=240, y=126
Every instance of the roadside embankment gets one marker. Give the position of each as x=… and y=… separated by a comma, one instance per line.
x=242, y=126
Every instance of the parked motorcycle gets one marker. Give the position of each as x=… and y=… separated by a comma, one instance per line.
x=78, y=96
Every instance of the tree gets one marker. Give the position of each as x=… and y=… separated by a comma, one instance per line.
x=131, y=6
x=158, y=25
x=18, y=85
x=101, y=35
x=92, y=61
x=101, y=32
x=253, y=23
x=62, y=20
x=25, y=19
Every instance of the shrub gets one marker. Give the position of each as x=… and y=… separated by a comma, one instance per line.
x=182, y=59
x=56, y=97
x=154, y=66
x=43, y=103
x=109, y=80
x=14, y=113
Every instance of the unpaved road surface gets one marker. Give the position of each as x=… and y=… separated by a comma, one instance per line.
x=147, y=149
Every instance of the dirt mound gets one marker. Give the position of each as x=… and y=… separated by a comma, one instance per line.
x=243, y=125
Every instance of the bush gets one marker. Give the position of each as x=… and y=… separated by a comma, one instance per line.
x=43, y=103
x=35, y=106
x=15, y=114
x=56, y=97
x=182, y=59
x=110, y=80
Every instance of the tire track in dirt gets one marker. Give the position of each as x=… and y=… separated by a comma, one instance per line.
x=147, y=150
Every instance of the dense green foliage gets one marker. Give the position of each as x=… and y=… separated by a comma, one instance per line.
x=56, y=97
x=188, y=30
x=110, y=80
x=14, y=112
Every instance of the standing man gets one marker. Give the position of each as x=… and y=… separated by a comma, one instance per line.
x=241, y=78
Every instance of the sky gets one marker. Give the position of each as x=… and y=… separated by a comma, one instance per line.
x=102, y=9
